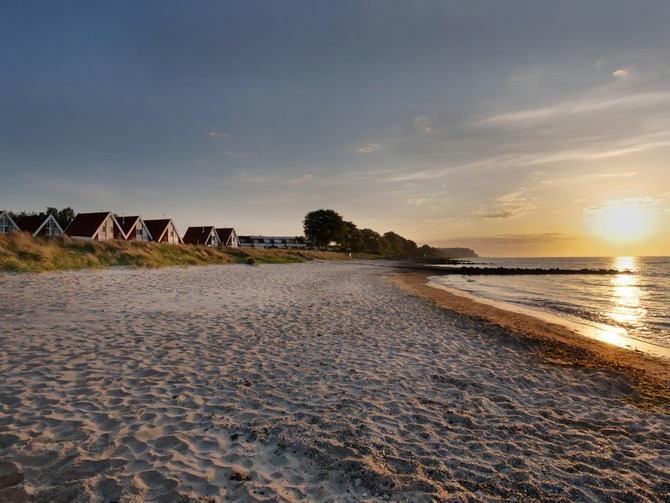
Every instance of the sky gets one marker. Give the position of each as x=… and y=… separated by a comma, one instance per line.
x=515, y=128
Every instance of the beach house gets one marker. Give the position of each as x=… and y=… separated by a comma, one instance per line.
x=7, y=225
x=40, y=225
x=286, y=242
x=163, y=231
x=228, y=237
x=203, y=235
x=96, y=226
x=133, y=229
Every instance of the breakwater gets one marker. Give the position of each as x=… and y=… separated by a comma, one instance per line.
x=505, y=271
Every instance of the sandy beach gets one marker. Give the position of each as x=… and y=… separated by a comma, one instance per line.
x=308, y=382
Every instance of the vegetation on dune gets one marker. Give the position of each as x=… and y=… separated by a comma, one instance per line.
x=325, y=228
x=20, y=252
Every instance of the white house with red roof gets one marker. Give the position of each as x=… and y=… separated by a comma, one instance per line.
x=100, y=226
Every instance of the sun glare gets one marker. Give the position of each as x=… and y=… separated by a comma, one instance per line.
x=624, y=221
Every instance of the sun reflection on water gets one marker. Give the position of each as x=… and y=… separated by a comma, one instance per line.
x=626, y=306
x=612, y=335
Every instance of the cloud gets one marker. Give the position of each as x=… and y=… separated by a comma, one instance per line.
x=370, y=148
x=496, y=214
x=305, y=178
x=420, y=201
x=517, y=239
x=236, y=155
x=585, y=178
x=577, y=106
x=622, y=72
x=641, y=201
x=214, y=134
x=629, y=150
x=511, y=205
x=424, y=124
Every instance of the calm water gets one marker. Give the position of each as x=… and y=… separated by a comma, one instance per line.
x=630, y=310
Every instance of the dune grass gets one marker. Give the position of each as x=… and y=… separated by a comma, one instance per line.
x=19, y=252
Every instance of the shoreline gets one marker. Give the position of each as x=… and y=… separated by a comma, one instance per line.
x=600, y=332
x=556, y=343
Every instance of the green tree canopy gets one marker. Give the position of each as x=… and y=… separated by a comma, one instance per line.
x=323, y=227
x=375, y=242
x=352, y=239
x=63, y=217
x=400, y=246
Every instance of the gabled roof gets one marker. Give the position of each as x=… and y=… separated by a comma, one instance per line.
x=198, y=235
x=129, y=224
x=87, y=224
x=226, y=234
x=158, y=228
x=34, y=223
x=11, y=220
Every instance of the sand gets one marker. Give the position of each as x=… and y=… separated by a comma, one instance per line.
x=307, y=382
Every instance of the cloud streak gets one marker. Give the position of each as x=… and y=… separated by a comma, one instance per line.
x=577, y=107
x=370, y=148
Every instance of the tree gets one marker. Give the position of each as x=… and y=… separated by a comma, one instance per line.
x=400, y=246
x=375, y=243
x=63, y=217
x=323, y=227
x=352, y=239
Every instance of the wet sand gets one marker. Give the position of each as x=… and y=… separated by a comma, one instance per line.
x=557, y=343
x=307, y=382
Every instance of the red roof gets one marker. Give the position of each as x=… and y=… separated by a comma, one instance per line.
x=86, y=224
x=198, y=235
x=127, y=223
x=30, y=223
x=158, y=228
x=224, y=234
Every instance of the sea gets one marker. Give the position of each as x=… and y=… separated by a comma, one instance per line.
x=631, y=309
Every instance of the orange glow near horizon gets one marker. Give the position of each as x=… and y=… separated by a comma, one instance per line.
x=624, y=222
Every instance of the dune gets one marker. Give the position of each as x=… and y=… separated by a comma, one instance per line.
x=305, y=382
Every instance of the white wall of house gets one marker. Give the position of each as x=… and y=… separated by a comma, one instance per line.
x=141, y=232
x=106, y=231
x=172, y=236
x=6, y=225
x=214, y=239
x=51, y=227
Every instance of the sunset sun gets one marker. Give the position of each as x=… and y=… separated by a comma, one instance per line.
x=624, y=221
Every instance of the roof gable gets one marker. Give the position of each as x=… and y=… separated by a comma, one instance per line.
x=87, y=225
x=158, y=228
x=35, y=223
x=127, y=224
x=199, y=235
x=12, y=224
x=226, y=235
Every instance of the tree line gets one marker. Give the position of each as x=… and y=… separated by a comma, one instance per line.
x=325, y=227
